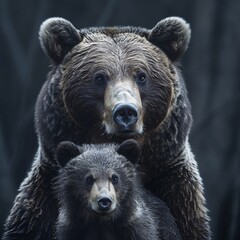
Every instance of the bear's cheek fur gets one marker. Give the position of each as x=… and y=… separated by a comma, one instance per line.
x=156, y=107
x=83, y=101
x=157, y=98
x=72, y=192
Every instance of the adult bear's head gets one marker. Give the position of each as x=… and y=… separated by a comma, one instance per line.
x=121, y=80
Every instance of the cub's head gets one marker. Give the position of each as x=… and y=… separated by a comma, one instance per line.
x=95, y=180
x=119, y=80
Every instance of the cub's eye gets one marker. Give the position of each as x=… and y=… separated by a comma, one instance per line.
x=114, y=179
x=100, y=78
x=141, y=78
x=89, y=179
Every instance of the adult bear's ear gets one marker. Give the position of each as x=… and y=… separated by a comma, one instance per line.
x=130, y=149
x=57, y=37
x=172, y=35
x=67, y=151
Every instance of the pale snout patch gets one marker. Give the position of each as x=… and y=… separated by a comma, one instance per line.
x=102, y=189
x=122, y=93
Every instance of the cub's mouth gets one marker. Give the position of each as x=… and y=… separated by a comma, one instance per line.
x=104, y=212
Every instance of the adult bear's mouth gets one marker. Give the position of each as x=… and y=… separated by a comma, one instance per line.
x=126, y=131
x=123, y=131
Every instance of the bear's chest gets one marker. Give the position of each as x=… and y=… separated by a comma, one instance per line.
x=97, y=231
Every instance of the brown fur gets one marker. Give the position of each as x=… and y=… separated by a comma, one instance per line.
x=77, y=79
x=91, y=67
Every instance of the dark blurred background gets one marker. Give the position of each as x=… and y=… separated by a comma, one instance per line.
x=211, y=68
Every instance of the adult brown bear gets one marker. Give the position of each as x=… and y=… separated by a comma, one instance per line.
x=107, y=85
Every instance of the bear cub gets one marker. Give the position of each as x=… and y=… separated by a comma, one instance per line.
x=101, y=198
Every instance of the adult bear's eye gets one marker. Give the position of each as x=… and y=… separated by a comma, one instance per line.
x=114, y=179
x=100, y=78
x=141, y=78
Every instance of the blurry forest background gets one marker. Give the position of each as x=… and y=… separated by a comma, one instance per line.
x=211, y=68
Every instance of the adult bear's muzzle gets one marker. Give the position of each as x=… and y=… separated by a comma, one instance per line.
x=123, y=108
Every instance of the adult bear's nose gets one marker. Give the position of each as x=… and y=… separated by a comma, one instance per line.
x=125, y=115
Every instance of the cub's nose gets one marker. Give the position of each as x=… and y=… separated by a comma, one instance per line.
x=104, y=203
x=125, y=115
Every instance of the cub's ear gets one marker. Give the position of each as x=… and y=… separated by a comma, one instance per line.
x=172, y=35
x=130, y=149
x=67, y=151
x=57, y=37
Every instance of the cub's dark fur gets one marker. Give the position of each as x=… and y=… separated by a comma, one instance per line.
x=101, y=198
